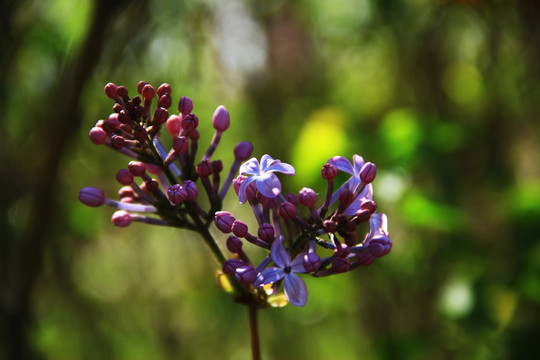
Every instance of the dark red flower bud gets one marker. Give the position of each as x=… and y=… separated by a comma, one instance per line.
x=292, y=198
x=194, y=134
x=109, y=126
x=137, y=168
x=123, y=117
x=185, y=105
x=121, y=218
x=117, y=142
x=234, y=244
x=329, y=226
x=239, y=228
x=362, y=216
x=98, y=136
x=190, y=122
x=153, y=169
x=217, y=166
x=91, y=196
x=329, y=172
x=221, y=119
x=140, y=134
x=191, y=189
x=126, y=192
x=161, y=115
x=370, y=206
x=164, y=89
x=111, y=90
x=181, y=145
x=117, y=107
x=204, y=168
x=349, y=226
x=140, y=86
x=124, y=177
x=123, y=93
x=148, y=92
x=266, y=232
x=152, y=185
x=165, y=101
x=243, y=150
x=136, y=101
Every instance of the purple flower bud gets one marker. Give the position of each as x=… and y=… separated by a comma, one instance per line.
x=329, y=172
x=380, y=246
x=121, y=218
x=137, y=168
x=91, y=196
x=164, y=89
x=98, y=136
x=230, y=266
x=191, y=189
x=329, y=226
x=181, y=145
x=243, y=150
x=365, y=259
x=124, y=177
x=369, y=206
x=140, y=86
x=189, y=122
x=349, y=226
x=204, y=168
x=368, y=172
x=217, y=166
x=311, y=261
x=185, y=105
x=340, y=264
x=221, y=119
x=362, y=216
x=234, y=244
x=148, y=92
x=151, y=185
x=240, y=228
x=346, y=197
x=111, y=91
x=140, y=134
x=176, y=194
x=307, y=197
x=245, y=274
x=292, y=198
x=266, y=232
x=287, y=210
x=224, y=221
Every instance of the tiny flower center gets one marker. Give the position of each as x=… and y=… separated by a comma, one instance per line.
x=287, y=269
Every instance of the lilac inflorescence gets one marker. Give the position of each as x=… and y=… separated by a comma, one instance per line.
x=164, y=178
x=302, y=238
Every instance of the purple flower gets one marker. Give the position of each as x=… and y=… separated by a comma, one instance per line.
x=343, y=164
x=365, y=196
x=263, y=174
x=295, y=287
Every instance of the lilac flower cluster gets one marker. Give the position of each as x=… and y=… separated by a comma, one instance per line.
x=296, y=241
x=162, y=187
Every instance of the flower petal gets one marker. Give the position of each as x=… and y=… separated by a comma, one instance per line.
x=342, y=164
x=281, y=167
x=279, y=255
x=378, y=226
x=358, y=162
x=250, y=167
x=297, y=265
x=266, y=161
x=269, y=276
x=268, y=184
x=242, y=197
x=295, y=289
x=365, y=195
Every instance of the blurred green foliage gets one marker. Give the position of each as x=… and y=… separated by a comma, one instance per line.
x=442, y=95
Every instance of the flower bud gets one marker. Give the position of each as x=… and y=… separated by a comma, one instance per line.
x=91, y=196
x=153, y=169
x=243, y=150
x=230, y=266
x=368, y=172
x=164, y=89
x=346, y=197
x=117, y=142
x=365, y=259
x=204, y=168
x=124, y=177
x=161, y=115
x=329, y=226
x=245, y=274
x=137, y=168
x=123, y=92
x=185, y=105
x=190, y=122
x=287, y=210
x=340, y=264
x=239, y=228
x=123, y=117
x=217, y=166
x=140, y=86
x=369, y=205
x=307, y=197
x=234, y=244
x=224, y=221
x=329, y=172
x=181, y=145
x=98, y=136
x=148, y=92
x=292, y=198
x=140, y=134
x=126, y=192
x=176, y=194
x=111, y=90
x=380, y=246
x=191, y=189
x=165, y=101
x=174, y=124
x=152, y=185
x=311, y=261
x=266, y=232
x=221, y=119
x=121, y=218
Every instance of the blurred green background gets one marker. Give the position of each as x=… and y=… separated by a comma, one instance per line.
x=442, y=95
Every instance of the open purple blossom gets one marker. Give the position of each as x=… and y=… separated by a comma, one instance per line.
x=343, y=164
x=263, y=175
x=365, y=196
x=295, y=288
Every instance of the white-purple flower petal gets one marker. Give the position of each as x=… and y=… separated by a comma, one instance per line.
x=268, y=184
x=295, y=289
x=279, y=254
x=269, y=276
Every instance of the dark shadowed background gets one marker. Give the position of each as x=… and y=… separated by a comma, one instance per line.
x=444, y=96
